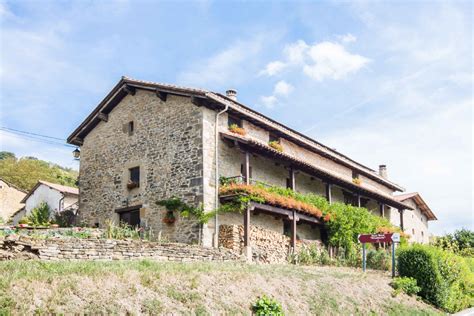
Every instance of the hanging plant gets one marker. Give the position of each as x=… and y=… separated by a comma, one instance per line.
x=356, y=181
x=169, y=218
x=236, y=129
x=276, y=145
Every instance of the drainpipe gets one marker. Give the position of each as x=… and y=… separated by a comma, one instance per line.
x=216, y=232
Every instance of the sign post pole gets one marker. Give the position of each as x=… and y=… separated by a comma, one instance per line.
x=363, y=256
x=393, y=259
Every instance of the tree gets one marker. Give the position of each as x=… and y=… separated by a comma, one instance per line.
x=6, y=155
x=25, y=173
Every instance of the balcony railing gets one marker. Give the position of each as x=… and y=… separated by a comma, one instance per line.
x=240, y=180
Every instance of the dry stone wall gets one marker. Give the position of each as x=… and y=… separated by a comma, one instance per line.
x=267, y=245
x=106, y=249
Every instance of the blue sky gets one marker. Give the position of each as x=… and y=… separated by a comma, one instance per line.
x=382, y=82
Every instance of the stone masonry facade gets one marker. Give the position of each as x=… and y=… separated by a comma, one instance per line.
x=166, y=144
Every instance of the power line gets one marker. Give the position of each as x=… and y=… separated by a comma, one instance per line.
x=30, y=133
x=37, y=139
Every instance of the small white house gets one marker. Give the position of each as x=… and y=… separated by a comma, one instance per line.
x=58, y=197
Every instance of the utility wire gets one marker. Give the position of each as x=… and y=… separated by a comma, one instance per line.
x=29, y=133
x=37, y=139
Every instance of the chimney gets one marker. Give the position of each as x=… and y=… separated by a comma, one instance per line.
x=383, y=171
x=231, y=94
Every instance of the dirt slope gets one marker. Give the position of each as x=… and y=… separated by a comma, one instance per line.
x=147, y=287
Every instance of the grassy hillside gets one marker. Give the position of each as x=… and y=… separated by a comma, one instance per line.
x=145, y=287
x=25, y=172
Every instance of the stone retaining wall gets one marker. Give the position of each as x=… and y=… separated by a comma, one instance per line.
x=24, y=247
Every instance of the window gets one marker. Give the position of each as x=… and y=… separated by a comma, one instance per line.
x=130, y=128
x=422, y=234
x=242, y=171
x=234, y=120
x=274, y=138
x=131, y=217
x=135, y=176
x=413, y=232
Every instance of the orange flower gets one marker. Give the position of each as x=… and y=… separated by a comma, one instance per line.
x=327, y=218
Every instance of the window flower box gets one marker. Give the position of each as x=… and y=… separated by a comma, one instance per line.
x=276, y=145
x=132, y=185
x=236, y=129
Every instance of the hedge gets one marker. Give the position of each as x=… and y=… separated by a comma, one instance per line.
x=445, y=278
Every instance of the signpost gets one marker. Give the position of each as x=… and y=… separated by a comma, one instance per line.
x=378, y=238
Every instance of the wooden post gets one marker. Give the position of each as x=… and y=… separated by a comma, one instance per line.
x=293, y=232
x=246, y=164
x=401, y=219
x=247, y=248
x=381, y=209
x=328, y=192
x=358, y=200
x=292, y=179
x=247, y=227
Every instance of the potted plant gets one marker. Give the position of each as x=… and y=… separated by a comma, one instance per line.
x=169, y=218
x=132, y=185
x=276, y=145
x=236, y=129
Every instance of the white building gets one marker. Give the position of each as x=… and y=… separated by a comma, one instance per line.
x=58, y=197
x=416, y=220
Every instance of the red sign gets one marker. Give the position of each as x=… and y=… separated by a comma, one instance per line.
x=375, y=238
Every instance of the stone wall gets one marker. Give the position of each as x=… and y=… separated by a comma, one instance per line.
x=106, y=249
x=166, y=144
x=267, y=245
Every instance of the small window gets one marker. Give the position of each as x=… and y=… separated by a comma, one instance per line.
x=234, y=120
x=131, y=128
x=422, y=234
x=274, y=138
x=413, y=231
x=135, y=176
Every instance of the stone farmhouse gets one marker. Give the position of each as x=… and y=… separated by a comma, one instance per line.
x=10, y=200
x=148, y=141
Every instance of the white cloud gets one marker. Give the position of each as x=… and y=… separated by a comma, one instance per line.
x=348, y=38
x=325, y=60
x=282, y=88
x=273, y=68
x=268, y=101
x=295, y=53
x=332, y=61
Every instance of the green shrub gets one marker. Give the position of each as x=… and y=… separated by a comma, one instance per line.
x=406, y=285
x=444, y=278
x=40, y=215
x=266, y=306
x=378, y=259
x=121, y=231
x=24, y=220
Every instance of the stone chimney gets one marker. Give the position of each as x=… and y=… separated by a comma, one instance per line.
x=383, y=171
x=231, y=94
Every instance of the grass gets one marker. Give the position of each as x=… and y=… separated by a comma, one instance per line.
x=148, y=287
